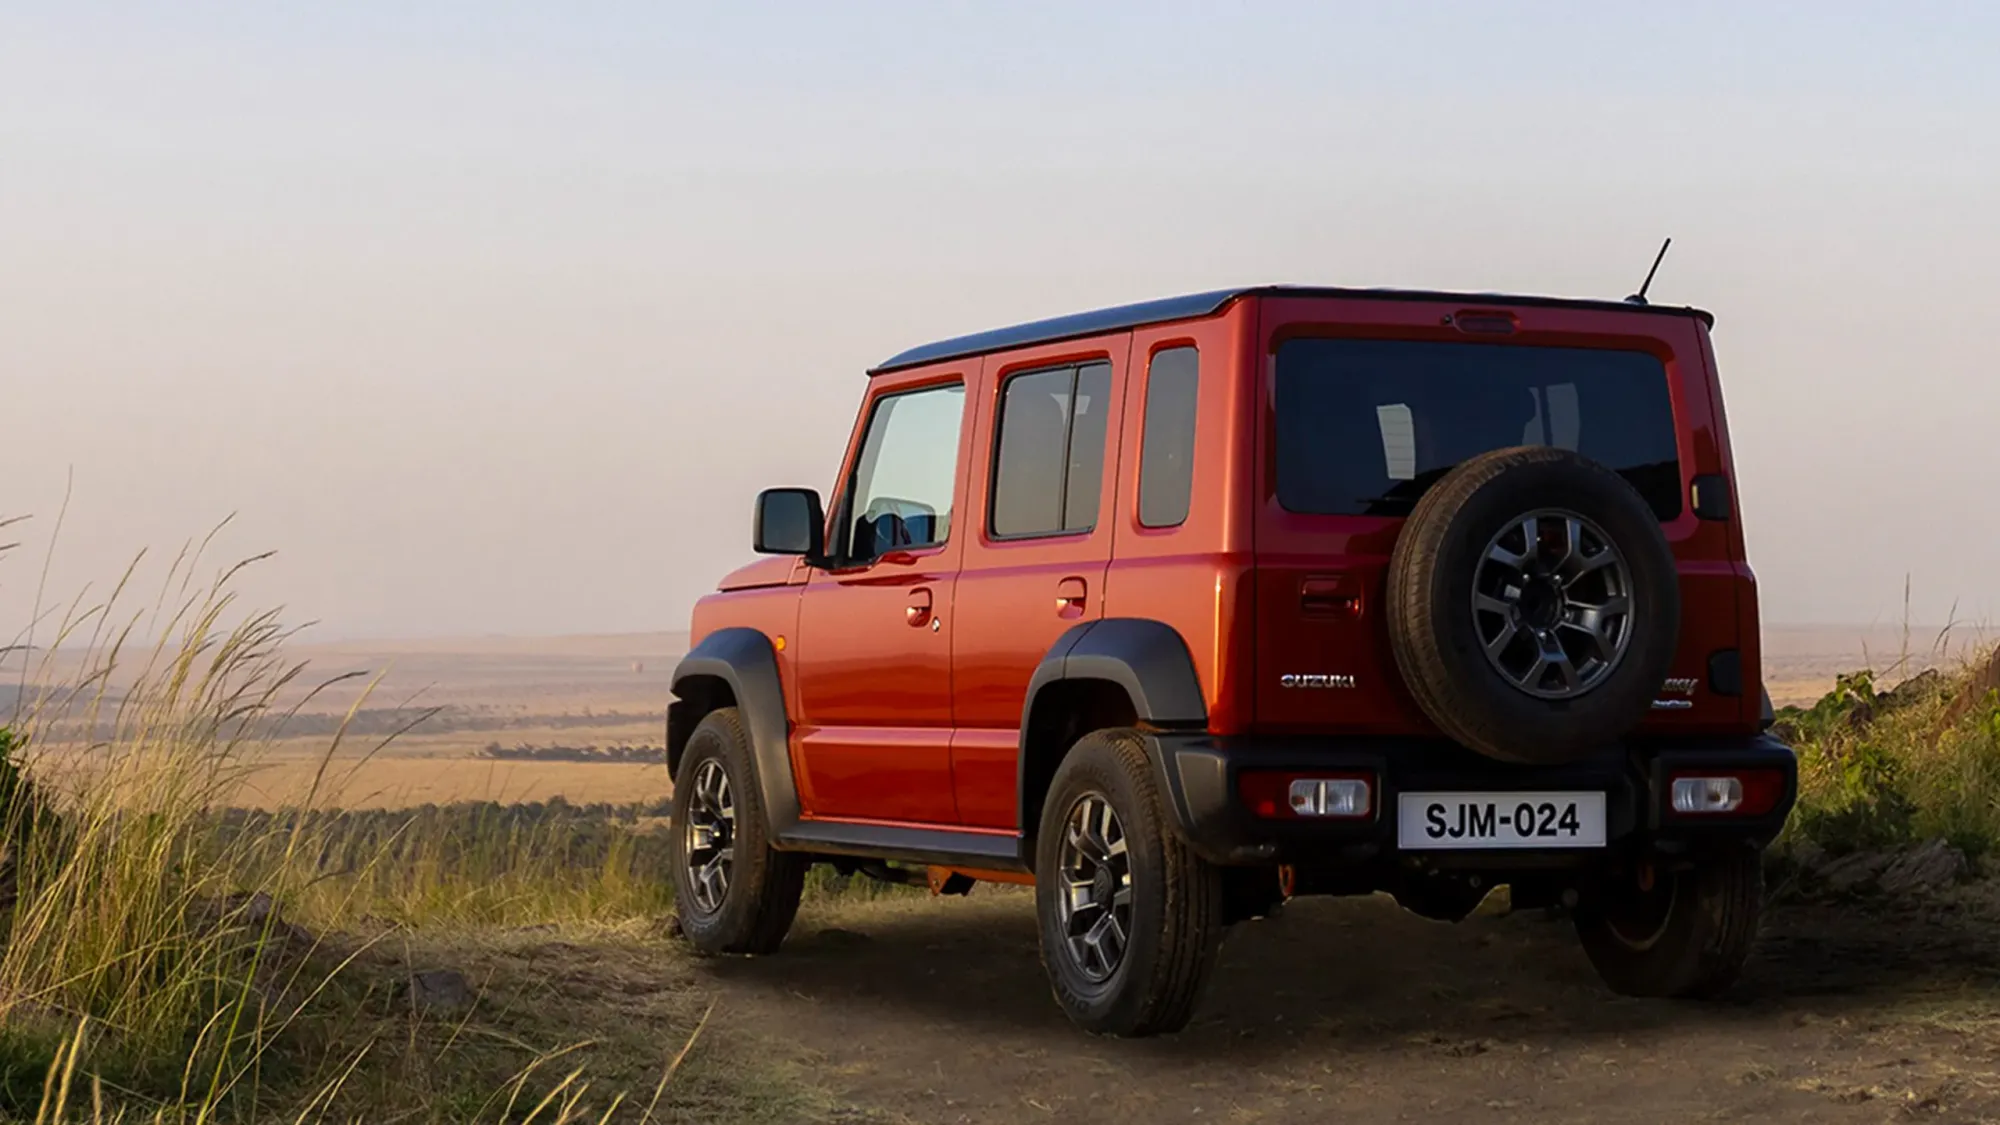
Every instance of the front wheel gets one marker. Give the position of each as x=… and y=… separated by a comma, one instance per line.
x=1685, y=934
x=1131, y=918
x=735, y=893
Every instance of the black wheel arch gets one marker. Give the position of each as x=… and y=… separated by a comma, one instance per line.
x=1113, y=672
x=738, y=667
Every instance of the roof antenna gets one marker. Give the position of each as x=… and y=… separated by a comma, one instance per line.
x=1639, y=298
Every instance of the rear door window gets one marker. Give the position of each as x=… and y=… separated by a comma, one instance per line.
x=1365, y=426
x=1049, y=461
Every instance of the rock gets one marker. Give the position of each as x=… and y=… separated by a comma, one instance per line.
x=672, y=925
x=1807, y=855
x=1854, y=872
x=1923, y=687
x=253, y=909
x=1919, y=867
x=251, y=913
x=439, y=990
x=1926, y=866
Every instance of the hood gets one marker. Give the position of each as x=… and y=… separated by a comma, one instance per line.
x=775, y=570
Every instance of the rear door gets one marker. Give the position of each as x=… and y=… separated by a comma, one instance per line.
x=1369, y=402
x=1044, y=486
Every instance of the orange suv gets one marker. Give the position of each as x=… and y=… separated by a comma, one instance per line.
x=1179, y=609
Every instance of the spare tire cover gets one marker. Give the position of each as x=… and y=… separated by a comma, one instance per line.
x=1533, y=605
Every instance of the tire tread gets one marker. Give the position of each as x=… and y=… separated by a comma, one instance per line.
x=1706, y=943
x=774, y=880
x=1161, y=996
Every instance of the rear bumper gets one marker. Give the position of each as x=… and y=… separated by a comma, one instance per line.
x=1198, y=774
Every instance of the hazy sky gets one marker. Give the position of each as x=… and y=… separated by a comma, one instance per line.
x=493, y=318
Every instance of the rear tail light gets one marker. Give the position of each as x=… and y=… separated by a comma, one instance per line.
x=1707, y=794
x=1281, y=795
x=1725, y=792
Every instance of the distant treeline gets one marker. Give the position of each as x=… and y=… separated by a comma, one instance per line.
x=529, y=752
x=472, y=837
x=455, y=719
x=627, y=814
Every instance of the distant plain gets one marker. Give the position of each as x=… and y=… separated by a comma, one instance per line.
x=612, y=690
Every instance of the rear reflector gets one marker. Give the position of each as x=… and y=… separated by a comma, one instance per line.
x=1278, y=795
x=1725, y=792
x=1709, y=494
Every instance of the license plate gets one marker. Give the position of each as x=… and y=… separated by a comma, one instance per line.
x=1499, y=820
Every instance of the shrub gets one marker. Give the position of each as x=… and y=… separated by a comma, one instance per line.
x=1882, y=768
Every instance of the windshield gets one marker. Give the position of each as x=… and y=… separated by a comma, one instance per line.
x=1365, y=426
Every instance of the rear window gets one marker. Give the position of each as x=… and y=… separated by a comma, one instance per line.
x=1365, y=426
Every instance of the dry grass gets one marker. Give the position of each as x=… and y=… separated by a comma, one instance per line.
x=143, y=978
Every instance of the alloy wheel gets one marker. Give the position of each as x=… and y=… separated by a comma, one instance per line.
x=1095, y=904
x=710, y=840
x=1552, y=604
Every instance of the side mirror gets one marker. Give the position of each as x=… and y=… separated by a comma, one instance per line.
x=790, y=521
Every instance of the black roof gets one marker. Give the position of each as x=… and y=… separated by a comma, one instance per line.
x=1207, y=304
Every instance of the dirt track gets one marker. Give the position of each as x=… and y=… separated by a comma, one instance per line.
x=936, y=1011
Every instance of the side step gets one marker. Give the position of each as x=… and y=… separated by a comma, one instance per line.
x=938, y=847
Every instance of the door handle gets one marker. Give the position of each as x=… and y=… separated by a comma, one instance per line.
x=1071, y=594
x=1330, y=595
x=918, y=614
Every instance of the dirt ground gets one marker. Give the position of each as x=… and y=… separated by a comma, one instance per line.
x=1351, y=1010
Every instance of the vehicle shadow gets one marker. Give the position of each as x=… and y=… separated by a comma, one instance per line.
x=1367, y=975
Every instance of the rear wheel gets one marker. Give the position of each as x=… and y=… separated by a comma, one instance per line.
x=735, y=893
x=1131, y=918
x=1686, y=934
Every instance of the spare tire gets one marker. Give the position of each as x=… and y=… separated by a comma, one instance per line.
x=1533, y=605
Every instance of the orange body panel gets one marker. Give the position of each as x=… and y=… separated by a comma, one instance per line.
x=905, y=679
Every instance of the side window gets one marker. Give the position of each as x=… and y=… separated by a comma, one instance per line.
x=901, y=493
x=1166, y=448
x=1049, y=459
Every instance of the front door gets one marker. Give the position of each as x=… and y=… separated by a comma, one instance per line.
x=874, y=655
